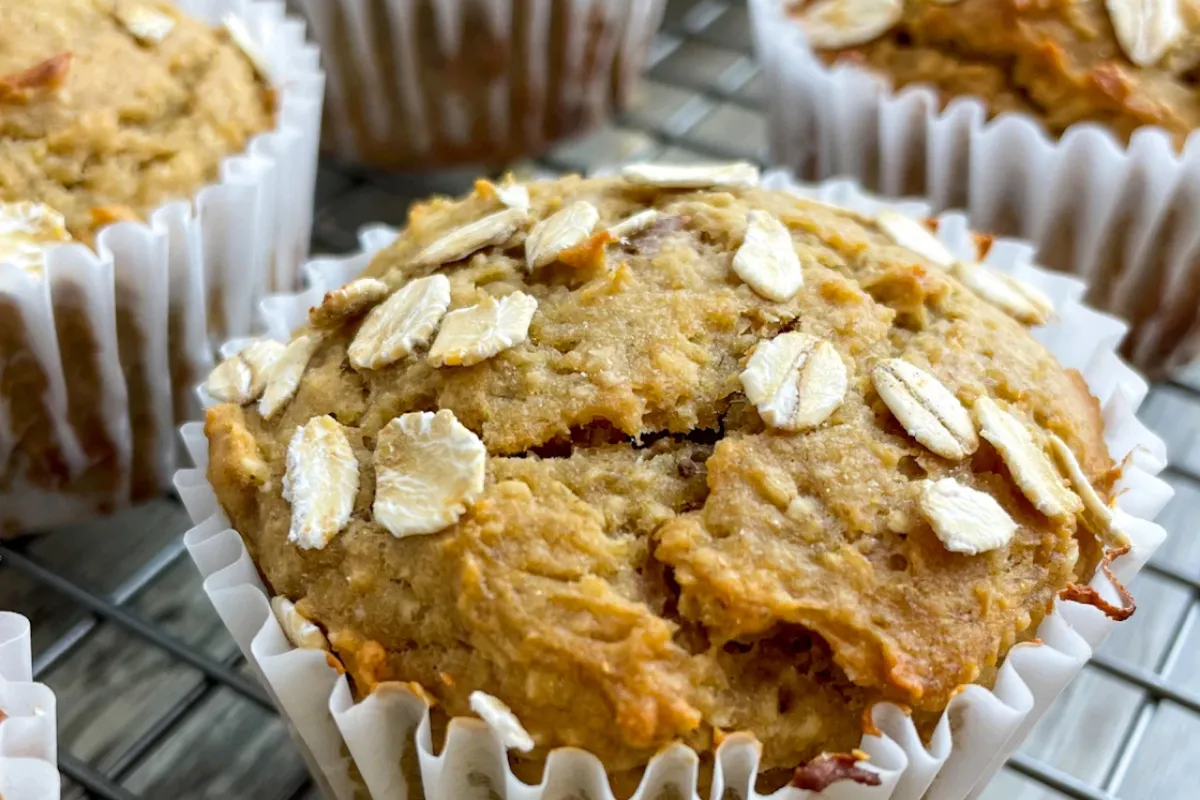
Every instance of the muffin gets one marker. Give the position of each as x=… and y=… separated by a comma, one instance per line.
x=621, y=462
x=418, y=84
x=1066, y=124
x=1118, y=64
x=112, y=108
x=110, y=112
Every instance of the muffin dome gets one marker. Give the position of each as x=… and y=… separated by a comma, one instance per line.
x=662, y=457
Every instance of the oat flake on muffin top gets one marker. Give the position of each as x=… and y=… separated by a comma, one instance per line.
x=716, y=459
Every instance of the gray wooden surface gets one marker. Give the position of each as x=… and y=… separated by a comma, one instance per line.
x=701, y=100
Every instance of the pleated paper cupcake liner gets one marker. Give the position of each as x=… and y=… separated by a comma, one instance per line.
x=414, y=84
x=98, y=354
x=380, y=733
x=28, y=743
x=1124, y=218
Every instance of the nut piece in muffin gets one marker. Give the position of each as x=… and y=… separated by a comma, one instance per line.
x=1118, y=63
x=108, y=108
x=669, y=503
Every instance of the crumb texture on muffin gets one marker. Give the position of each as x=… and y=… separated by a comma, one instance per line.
x=651, y=556
x=109, y=108
x=1119, y=63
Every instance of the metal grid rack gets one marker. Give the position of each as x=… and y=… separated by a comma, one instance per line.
x=1127, y=728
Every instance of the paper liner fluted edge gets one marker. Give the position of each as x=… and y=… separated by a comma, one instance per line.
x=988, y=725
x=374, y=91
x=230, y=245
x=1125, y=218
x=28, y=744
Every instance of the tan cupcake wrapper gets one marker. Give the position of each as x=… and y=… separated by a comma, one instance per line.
x=1124, y=218
x=414, y=84
x=378, y=731
x=98, y=354
x=28, y=742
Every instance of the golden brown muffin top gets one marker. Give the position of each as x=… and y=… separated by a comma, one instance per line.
x=668, y=537
x=110, y=107
x=1120, y=63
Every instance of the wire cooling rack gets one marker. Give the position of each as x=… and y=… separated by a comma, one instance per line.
x=154, y=700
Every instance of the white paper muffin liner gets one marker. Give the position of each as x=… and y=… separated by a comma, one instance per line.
x=190, y=276
x=1124, y=218
x=28, y=745
x=974, y=737
x=380, y=110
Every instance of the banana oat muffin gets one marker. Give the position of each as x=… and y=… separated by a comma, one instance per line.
x=1119, y=63
x=108, y=108
x=421, y=84
x=662, y=457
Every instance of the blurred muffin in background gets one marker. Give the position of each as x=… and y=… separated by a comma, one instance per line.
x=109, y=109
x=155, y=160
x=420, y=84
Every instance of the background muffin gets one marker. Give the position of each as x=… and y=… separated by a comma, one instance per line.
x=120, y=123
x=415, y=84
x=671, y=488
x=1066, y=124
x=1116, y=64
x=112, y=108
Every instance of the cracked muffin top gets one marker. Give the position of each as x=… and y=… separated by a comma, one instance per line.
x=1119, y=63
x=109, y=108
x=664, y=456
